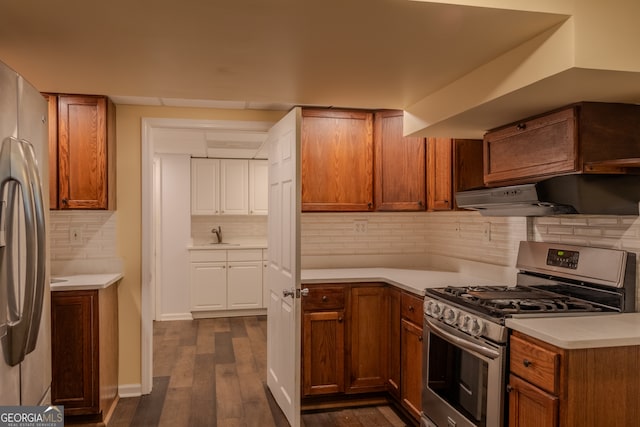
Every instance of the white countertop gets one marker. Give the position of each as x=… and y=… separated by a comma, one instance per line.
x=410, y=280
x=84, y=282
x=227, y=246
x=576, y=332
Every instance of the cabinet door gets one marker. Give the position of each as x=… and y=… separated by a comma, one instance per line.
x=532, y=149
x=52, y=101
x=337, y=160
x=399, y=165
x=530, y=406
x=244, y=284
x=323, y=352
x=205, y=181
x=234, y=187
x=467, y=164
x=209, y=286
x=367, y=346
x=258, y=187
x=74, y=335
x=82, y=152
x=439, y=174
x=411, y=368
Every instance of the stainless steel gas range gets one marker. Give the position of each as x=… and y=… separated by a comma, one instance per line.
x=464, y=366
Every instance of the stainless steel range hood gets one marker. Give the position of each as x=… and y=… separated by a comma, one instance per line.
x=569, y=194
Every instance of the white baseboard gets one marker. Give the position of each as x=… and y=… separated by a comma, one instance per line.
x=175, y=316
x=130, y=390
x=229, y=313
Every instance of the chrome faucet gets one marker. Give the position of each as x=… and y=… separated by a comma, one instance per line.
x=218, y=234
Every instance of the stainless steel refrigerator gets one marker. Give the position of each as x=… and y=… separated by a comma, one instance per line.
x=25, y=332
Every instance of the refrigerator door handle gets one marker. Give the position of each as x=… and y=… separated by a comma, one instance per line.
x=40, y=242
x=14, y=176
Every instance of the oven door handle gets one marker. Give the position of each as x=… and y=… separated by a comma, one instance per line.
x=462, y=342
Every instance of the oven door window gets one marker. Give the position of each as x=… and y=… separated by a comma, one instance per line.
x=458, y=377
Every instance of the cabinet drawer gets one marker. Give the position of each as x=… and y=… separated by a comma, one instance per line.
x=411, y=308
x=529, y=150
x=213, y=255
x=325, y=297
x=534, y=363
x=244, y=255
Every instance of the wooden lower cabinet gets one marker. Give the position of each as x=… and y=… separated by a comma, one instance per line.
x=367, y=343
x=362, y=341
x=323, y=352
x=84, y=329
x=530, y=406
x=591, y=387
x=411, y=368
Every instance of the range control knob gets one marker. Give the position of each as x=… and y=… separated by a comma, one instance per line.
x=437, y=310
x=477, y=327
x=450, y=316
x=464, y=322
x=428, y=307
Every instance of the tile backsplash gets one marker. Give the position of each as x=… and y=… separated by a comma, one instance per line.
x=235, y=228
x=93, y=249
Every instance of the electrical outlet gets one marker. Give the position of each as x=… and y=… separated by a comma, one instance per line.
x=360, y=226
x=486, y=231
x=75, y=235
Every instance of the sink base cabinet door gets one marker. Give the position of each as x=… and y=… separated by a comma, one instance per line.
x=209, y=286
x=244, y=284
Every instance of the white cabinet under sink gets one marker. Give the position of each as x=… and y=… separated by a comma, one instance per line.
x=226, y=280
x=229, y=187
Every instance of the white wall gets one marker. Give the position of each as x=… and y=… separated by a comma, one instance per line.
x=174, y=216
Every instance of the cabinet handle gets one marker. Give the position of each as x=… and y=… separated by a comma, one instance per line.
x=521, y=126
x=526, y=363
x=370, y=205
x=324, y=298
x=65, y=201
x=411, y=309
x=509, y=388
x=420, y=338
x=340, y=319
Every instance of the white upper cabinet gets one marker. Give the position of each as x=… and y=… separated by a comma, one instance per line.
x=205, y=182
x=258, y=187
x=234, y=187
x=229, y=187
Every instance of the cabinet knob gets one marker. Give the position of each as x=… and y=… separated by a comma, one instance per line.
x=509, y=388
x=521, y=126
x=411, y=309
x=420, y=338
x=340, y=319
x=526, y=363
x=370, y=205
x=324, y=298
x=65, y=201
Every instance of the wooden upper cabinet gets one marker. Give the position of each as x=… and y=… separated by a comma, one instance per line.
x=582, y=138
x=52, y=101
x=452, y=165
x=399, y=165
x=86, y=152
x=337, y=160
x=439, y=174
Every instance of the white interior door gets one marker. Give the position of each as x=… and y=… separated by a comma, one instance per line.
x=283, y=270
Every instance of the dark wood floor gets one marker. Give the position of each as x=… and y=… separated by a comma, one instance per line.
x=212, y=372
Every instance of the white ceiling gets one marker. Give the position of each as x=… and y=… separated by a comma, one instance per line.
x=268, y=54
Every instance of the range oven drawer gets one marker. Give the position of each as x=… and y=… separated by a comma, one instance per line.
x=534, y=363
